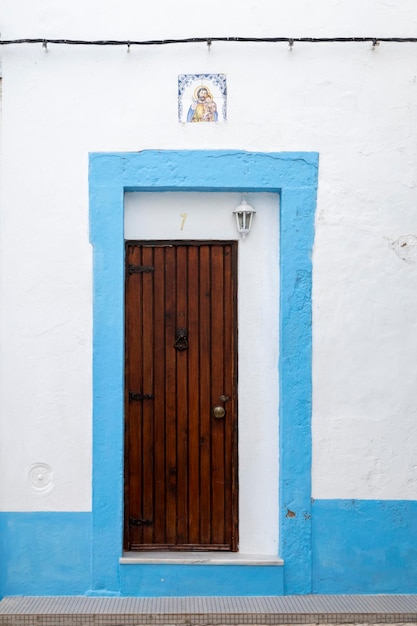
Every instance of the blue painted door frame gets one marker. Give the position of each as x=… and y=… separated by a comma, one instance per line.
x=294, y=177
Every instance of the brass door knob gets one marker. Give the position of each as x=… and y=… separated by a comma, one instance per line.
x=218, y=412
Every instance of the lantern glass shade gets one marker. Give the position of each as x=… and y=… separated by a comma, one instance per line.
x=244, y=214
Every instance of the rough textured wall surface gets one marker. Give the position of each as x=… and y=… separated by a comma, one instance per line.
x=354, y=104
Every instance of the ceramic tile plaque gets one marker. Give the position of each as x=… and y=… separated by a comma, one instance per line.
x=202, y=98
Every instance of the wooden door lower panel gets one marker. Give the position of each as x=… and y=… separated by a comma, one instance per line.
x=177, y=547
x=180, y=461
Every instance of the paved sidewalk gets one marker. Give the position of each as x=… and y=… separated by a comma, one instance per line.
x=233, y=611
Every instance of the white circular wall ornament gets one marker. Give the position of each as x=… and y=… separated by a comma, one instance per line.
x=40, y=476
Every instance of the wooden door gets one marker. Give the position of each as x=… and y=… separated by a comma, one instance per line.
x=180, y=452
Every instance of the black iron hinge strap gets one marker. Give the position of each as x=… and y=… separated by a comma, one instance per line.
x=134, y=521
x=139, y=396
x=141, y=269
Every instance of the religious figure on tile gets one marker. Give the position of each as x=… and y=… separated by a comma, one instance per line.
x=203, y=108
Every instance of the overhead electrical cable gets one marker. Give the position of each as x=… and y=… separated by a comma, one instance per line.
x=207, y=40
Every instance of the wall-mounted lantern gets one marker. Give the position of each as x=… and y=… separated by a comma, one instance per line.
x=244, y=214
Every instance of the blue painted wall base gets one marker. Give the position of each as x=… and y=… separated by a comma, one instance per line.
x=364, y=546
x=49, y=554
x=45, y=554
x=358, y=546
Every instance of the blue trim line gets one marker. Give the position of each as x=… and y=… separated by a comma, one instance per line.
x=365, y=546
x=45, y=553
x=294, y=176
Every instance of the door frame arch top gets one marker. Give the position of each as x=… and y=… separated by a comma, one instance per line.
x=294, y=176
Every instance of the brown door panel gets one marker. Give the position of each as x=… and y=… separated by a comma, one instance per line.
x=181, y=343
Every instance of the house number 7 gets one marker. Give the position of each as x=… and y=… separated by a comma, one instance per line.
x=184, y=217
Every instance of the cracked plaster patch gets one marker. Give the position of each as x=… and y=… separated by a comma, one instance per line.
x=406, y=248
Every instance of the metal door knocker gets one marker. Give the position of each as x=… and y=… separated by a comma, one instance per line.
x=181, y=339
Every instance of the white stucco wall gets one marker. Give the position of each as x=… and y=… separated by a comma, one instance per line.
x=356, y=106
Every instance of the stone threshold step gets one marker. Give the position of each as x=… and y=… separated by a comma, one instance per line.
x=202, y=611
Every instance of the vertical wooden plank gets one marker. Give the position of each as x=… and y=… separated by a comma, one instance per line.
x=193, y=396
x=148, y=388
x=205, y=297
x=127, y=425
x=159, y=393
x=170, y=397
x=182, y=399
x=217, y=425
x=230, y=390
x=234, y=446
x=126, y=529
x=133, y=381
